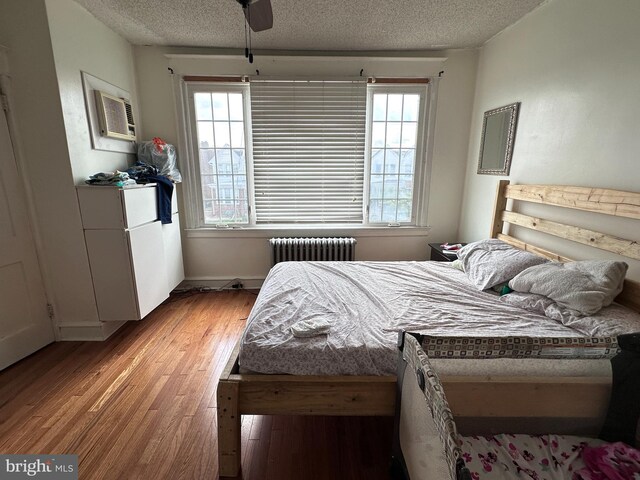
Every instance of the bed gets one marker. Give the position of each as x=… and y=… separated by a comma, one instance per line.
x=532, y=395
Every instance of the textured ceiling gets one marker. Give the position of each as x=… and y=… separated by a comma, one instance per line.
x=313, y=24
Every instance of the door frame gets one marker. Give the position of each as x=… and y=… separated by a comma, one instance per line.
x=23, y=173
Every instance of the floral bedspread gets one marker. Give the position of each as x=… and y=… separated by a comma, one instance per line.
x=549, y=457
x=613, y=461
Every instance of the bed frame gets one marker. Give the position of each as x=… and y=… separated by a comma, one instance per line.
x=563, y=398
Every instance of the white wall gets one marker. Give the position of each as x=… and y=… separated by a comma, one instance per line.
x=42, y=142
x=223, y=256
x=453, y=122
x=49, y=42
x=82, y=43
x=575, y=66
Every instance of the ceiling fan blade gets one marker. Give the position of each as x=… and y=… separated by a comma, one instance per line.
x=259, y=15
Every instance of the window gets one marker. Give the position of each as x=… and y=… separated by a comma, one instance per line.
x=393, y=146
x=219, y=131
x=277, y=152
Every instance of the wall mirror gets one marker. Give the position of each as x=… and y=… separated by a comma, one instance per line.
x=498, y=135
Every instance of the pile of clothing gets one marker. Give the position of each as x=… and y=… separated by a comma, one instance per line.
x=116, y=179
x=156, y=164
x=145, y=173
x=140, y=173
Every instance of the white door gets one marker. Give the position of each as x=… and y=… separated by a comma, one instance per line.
x=24, y=322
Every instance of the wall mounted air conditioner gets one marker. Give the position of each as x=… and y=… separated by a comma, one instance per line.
x=116, y=117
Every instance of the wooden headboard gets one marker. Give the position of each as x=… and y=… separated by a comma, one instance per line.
x=599, y=200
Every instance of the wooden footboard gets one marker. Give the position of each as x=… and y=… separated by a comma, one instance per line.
x=258, y=394
x=498, y=398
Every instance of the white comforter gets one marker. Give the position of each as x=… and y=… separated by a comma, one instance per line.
x=366, y=304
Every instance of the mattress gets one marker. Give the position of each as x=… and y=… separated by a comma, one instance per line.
x=365, y=304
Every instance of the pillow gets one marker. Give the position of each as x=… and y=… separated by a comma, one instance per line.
x=582, y=287
x=491, y=262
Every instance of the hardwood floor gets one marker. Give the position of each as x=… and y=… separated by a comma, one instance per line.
x=142, y=405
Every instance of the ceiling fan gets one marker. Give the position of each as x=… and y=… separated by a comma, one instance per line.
x=259, y=16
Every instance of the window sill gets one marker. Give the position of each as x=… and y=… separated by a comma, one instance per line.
x=308, y=231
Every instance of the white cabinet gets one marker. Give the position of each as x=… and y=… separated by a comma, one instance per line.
x=173, y=251
x=135, y=260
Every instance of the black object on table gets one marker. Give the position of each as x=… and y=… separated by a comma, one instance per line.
x=438, y=253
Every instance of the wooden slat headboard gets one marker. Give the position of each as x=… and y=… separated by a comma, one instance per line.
x=605, y=201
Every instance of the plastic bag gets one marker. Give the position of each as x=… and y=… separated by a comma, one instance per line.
x=161, y=155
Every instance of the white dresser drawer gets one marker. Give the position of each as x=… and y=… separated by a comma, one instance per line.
x=140, y=206
x=111, y=207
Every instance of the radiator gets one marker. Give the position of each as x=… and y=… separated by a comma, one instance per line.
x=312, y=249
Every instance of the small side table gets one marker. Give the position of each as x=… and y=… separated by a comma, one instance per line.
x=438, y=255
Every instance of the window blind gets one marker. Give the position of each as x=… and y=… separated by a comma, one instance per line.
x=308, y=150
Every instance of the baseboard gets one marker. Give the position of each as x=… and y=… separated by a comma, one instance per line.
x=216, y=283
x=89, y=331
